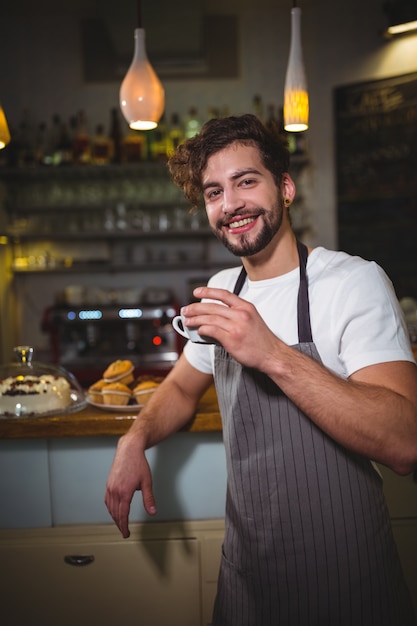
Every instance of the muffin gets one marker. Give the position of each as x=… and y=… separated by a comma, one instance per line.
x=119, y=371
x=144, y=391
x=117, y=394
x=95, y=391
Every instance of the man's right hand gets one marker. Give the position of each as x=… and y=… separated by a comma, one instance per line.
x=130, y=472
x=170, y=408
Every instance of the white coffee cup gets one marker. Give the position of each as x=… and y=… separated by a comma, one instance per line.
x=187, y=332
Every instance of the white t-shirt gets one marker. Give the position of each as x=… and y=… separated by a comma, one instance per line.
x=355, y=316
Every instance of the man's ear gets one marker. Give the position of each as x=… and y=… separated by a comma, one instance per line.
x=288, y=187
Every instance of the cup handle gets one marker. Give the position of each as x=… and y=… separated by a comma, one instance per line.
x=177, y=320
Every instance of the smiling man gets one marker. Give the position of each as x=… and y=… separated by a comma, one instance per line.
x=315, y=379
x=235, y=209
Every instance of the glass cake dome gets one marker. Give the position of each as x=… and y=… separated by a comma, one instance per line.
x=32, y=389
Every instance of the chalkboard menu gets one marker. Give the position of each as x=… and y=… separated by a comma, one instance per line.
x=376, y=154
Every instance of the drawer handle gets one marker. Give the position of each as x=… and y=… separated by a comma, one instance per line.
x=79, y=559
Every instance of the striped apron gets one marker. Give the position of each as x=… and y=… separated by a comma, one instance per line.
x=308, y=540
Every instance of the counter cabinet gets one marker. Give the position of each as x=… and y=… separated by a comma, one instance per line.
x=163, y=574
x=51, y=490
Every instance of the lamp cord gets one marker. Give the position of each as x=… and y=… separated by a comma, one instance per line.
x=139, y=13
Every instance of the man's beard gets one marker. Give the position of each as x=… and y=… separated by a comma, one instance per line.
x=243, y=245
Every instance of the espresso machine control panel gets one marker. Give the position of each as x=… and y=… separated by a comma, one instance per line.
x=86, y=339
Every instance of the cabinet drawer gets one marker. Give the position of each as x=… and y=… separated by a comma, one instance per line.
x=149, y=583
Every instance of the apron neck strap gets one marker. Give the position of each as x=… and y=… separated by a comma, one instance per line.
x=240, y=281
x=303, y=305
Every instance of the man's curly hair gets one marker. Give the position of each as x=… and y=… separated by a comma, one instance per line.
x=189, y=160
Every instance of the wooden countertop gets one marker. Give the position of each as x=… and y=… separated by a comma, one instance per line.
x=92, y=422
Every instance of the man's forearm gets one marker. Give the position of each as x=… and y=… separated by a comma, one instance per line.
x=373, y=413
x=172, y=405
x=166, y=412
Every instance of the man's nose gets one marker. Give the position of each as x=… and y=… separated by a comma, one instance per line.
x=232, y=200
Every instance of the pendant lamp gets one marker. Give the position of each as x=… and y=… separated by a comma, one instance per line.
x=295, y=91
x=142, y=96
x=401, y=16
x=4, y=130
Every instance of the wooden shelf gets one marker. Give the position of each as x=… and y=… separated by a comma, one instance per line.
x=111, y=268
x=105, y=235
x=141, y=169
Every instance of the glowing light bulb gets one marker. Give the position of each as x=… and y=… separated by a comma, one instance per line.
x=4, y=130
x=296, y=105
x=142, y=96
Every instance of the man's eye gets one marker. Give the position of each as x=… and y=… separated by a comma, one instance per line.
x=247, y=181
x=213, y=193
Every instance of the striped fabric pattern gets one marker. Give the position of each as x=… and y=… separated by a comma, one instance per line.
x=308, y=539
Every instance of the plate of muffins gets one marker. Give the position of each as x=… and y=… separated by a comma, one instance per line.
x=119, y=390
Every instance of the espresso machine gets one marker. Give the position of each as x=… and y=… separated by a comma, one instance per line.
x=85, y=338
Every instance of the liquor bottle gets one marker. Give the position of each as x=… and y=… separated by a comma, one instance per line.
x=116, y=136
x=73, y=129
x=63, y=152
x=81, y=147
x=53, y=134
x=134, y=147
x=26, y=139
x=101, y=147
x=213, y=113
x=290, y=137
x=159, y=141
x=175, y=134
x=272, y=123
x=258, y=107
x=192, y=124
x=41, y=140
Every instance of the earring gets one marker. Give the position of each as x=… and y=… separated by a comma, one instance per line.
x=287, y=202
